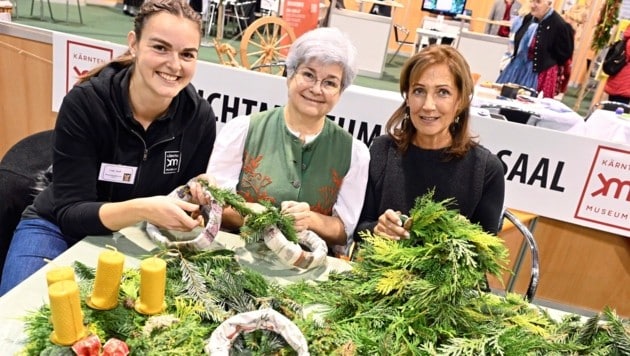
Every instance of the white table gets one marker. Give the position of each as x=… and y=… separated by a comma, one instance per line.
x=133, y=242
x=438, y=35
x=394, y=4
x=605, y=125
x=550, y=113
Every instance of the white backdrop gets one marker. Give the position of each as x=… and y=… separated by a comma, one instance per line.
x=549, y=173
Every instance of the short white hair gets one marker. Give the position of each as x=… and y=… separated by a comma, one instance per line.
x=327, y=45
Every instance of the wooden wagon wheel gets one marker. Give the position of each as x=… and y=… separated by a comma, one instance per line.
x=265, y=44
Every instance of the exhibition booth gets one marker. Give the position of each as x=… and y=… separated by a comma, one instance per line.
x=577, y=187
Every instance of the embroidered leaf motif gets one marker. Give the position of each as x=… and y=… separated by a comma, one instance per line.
x=253, y=183
x=328, y=195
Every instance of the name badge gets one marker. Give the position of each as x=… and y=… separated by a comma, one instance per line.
x=117, y=173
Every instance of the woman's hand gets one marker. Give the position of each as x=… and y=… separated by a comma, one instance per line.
x=300, y=211
x=199, y=194
x=390, y=225
x=172, y=214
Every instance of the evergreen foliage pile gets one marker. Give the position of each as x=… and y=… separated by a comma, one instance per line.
x=420, y=296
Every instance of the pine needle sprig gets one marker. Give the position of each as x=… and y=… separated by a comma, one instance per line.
x=197, y=289
x=618, y=331
x=38, y=327
x=255, y=224
x=228, y=287
x=83, y=271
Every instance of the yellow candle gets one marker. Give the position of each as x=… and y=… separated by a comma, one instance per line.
x=64, y=273
x=107, y=281
x=152, y=286
x=65, y=310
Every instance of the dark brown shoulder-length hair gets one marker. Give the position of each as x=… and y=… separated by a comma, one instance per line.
x=149, y=8
x=402, y=132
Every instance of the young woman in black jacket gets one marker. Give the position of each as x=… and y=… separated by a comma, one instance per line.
x=127, y=134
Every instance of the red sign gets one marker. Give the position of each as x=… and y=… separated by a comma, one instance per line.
x=606, y=195
x=301, y=15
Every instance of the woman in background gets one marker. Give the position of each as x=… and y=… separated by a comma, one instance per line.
x=542, y=44
x=502, y=10
x=428, y=146
x=618, y=85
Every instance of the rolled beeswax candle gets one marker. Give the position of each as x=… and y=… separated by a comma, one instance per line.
x=107, y=281
x=66, y=314
x=152, y=286
x=64, y=273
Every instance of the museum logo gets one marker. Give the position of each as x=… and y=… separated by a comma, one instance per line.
x=605, y=198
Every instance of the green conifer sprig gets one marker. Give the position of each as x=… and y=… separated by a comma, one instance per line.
x=196, y=288
x=255, y=224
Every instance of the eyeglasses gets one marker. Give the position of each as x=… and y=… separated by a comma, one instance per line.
x=327, y=85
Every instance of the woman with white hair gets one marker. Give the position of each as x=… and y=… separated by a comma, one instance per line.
x=542, y=44
x=293, y=156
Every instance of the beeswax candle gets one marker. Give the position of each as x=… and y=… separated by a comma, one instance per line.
x=107, y=281
x=66, y=314
x=152, y=286
x=64, y=273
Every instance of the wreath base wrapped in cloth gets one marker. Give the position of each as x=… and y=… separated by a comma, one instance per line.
x=199, y=238
x=220, y=342
x=263, y=225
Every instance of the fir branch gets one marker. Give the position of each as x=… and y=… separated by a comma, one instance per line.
x=196, y=288
x=589, y=330
x=618, y=332
x=84, y=271
x=255, y=224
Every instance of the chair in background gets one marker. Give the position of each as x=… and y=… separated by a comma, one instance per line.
x=19, y=169
x=41, y=10
x=401, y=35
x=530, y=243
x=208, y=13
x=608, y=106
x=241, y=12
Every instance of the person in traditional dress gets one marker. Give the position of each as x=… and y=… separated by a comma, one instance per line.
x=293, y=156
x=428, y=147
x=543, y=43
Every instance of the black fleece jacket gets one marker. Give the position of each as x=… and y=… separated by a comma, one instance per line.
x=95, y=125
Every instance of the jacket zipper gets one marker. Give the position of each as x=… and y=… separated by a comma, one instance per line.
x=145, y=154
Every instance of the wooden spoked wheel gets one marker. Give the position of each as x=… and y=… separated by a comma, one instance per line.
x=265, y=44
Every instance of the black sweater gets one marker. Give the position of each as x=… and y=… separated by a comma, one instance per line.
x=395, y=181
x=95, y=125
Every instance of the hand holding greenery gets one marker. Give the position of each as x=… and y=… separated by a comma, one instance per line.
x=255, y=223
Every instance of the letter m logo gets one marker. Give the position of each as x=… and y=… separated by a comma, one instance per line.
x=172, y=160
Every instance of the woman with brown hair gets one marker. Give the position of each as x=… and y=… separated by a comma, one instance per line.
x=128, y=134
x=428, y=146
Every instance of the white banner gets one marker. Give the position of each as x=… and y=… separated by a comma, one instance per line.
x=549, y=173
